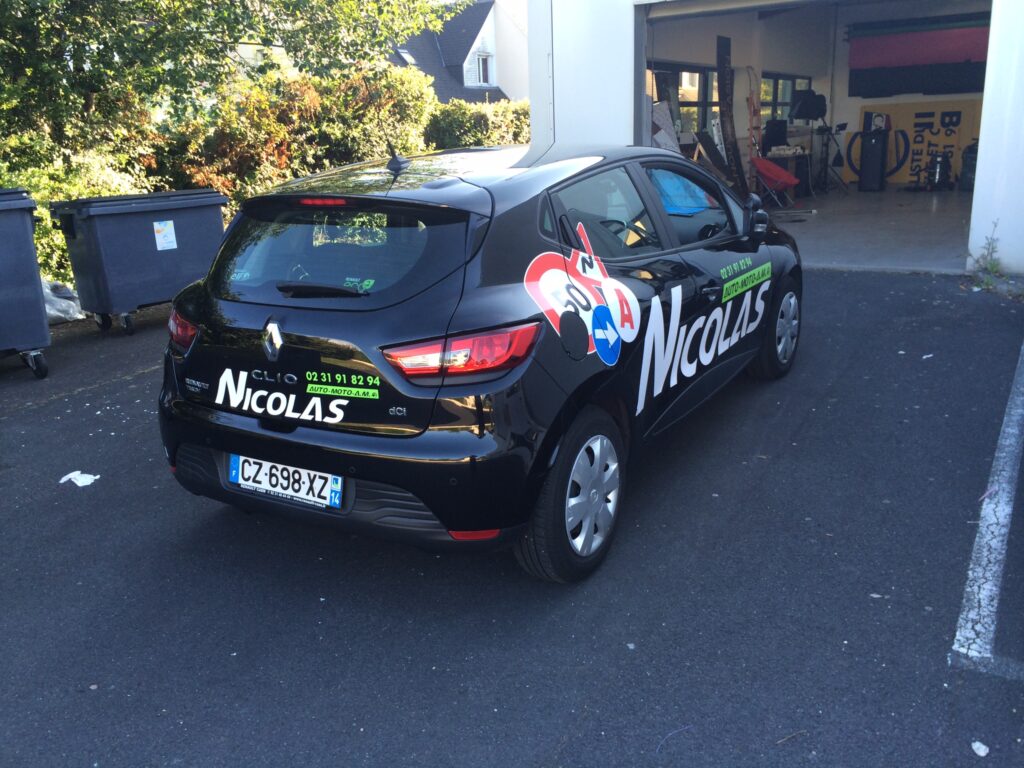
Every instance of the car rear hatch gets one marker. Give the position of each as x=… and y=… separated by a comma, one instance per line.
x=306, y=292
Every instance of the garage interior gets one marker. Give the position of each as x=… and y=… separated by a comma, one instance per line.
x=856, y=121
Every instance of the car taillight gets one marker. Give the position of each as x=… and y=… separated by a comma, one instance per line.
x=183, y=333
x=465, y=355
x=417, y=359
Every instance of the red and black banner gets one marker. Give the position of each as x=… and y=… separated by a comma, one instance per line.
x=936, y=55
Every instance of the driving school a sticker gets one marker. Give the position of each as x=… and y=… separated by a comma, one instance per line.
x=580, y=284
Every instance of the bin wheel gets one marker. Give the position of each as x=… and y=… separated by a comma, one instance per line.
x=103, y=321
x=36, y=361
x=128, y=323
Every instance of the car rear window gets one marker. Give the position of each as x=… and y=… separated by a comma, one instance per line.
x=321, y=251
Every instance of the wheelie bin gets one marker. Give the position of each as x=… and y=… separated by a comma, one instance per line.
x=132, y=251
x=23, y=327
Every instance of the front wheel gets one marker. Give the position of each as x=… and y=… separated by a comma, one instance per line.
x=781, y=337
x=574, y=519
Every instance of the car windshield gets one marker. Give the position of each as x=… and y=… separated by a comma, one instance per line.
x=312, y=250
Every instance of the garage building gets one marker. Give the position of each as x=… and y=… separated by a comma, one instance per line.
x=883, y=133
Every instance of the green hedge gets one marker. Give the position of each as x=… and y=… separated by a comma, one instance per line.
x=255, y=134
x=50, y=176
x=461, y=124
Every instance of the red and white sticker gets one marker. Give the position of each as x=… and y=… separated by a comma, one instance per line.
x=579, y=284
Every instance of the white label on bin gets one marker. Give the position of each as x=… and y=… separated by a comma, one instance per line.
x=164, y=233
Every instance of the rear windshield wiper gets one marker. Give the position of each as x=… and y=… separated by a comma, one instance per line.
x=302, y=290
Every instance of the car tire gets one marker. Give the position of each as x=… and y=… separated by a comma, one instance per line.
x=575, y=516
x=782, y=336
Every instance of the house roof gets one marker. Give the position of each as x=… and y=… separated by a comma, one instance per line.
x=459, y=33
x=442, y=55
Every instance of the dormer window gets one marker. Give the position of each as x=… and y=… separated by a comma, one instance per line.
x=484, y=68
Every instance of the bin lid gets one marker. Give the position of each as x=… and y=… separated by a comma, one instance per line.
x=156, y=201
x=13, y=199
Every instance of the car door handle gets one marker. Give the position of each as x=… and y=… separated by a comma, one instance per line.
x=711, y=291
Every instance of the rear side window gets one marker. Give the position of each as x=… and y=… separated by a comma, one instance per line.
x=311, y=251
x=610, y=209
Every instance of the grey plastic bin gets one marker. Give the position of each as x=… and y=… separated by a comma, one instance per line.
x=131, y=251
x=23, y=326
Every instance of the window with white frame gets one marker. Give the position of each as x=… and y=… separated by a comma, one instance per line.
x=484, y=68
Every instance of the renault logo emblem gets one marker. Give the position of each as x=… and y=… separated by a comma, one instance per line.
x=272, y=341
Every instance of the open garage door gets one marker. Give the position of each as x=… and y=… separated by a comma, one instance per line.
x=872, y=110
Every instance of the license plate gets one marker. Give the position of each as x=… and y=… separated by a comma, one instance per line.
x=315, y=488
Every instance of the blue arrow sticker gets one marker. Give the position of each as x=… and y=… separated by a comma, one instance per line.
x=607, y=342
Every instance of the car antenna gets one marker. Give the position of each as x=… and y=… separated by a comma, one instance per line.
x=397, y=163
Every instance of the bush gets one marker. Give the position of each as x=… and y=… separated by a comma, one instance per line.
x=32, y=162
x=362, y=115
x=255, y=134
x=262, y=133
x=250, y=139
x=461, y=124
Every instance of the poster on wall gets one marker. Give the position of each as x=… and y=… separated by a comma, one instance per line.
x=917, y=132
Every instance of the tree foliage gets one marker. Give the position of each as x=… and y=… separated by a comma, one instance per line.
x=102, y=97
x=68, y=67
x=258, y=133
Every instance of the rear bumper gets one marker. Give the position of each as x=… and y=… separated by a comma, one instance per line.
x=410, y=488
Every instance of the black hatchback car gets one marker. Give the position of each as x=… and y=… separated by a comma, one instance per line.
x=462, y=348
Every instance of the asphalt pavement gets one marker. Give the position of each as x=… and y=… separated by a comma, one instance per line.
x=784, y=589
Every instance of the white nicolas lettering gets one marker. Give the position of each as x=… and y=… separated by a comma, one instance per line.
x=711, y=330
x=688, y=367
x=232, y=390
x=337, y=411
x=276, y=403
x=312, y=411
x=235, y=390
x=741, y=320
x=257, y=395
x=290, y=412
x=759, y=306
x=674, y=378
x=716, y=338
x=659, y=345
x=724, y=341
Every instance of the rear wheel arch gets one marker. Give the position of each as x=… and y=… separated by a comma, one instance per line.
x=595, y=391
x=797, y=273
x=574, y=516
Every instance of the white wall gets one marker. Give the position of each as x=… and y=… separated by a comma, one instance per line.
x=586, y=76
x=511, y=43
x=997, y=185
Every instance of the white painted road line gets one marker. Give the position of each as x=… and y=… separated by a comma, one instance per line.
x=976, y=629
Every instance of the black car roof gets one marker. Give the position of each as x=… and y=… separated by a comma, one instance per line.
x=480, y=180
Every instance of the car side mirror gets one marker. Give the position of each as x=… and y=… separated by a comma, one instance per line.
x=759, y=224
x=757, y=218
